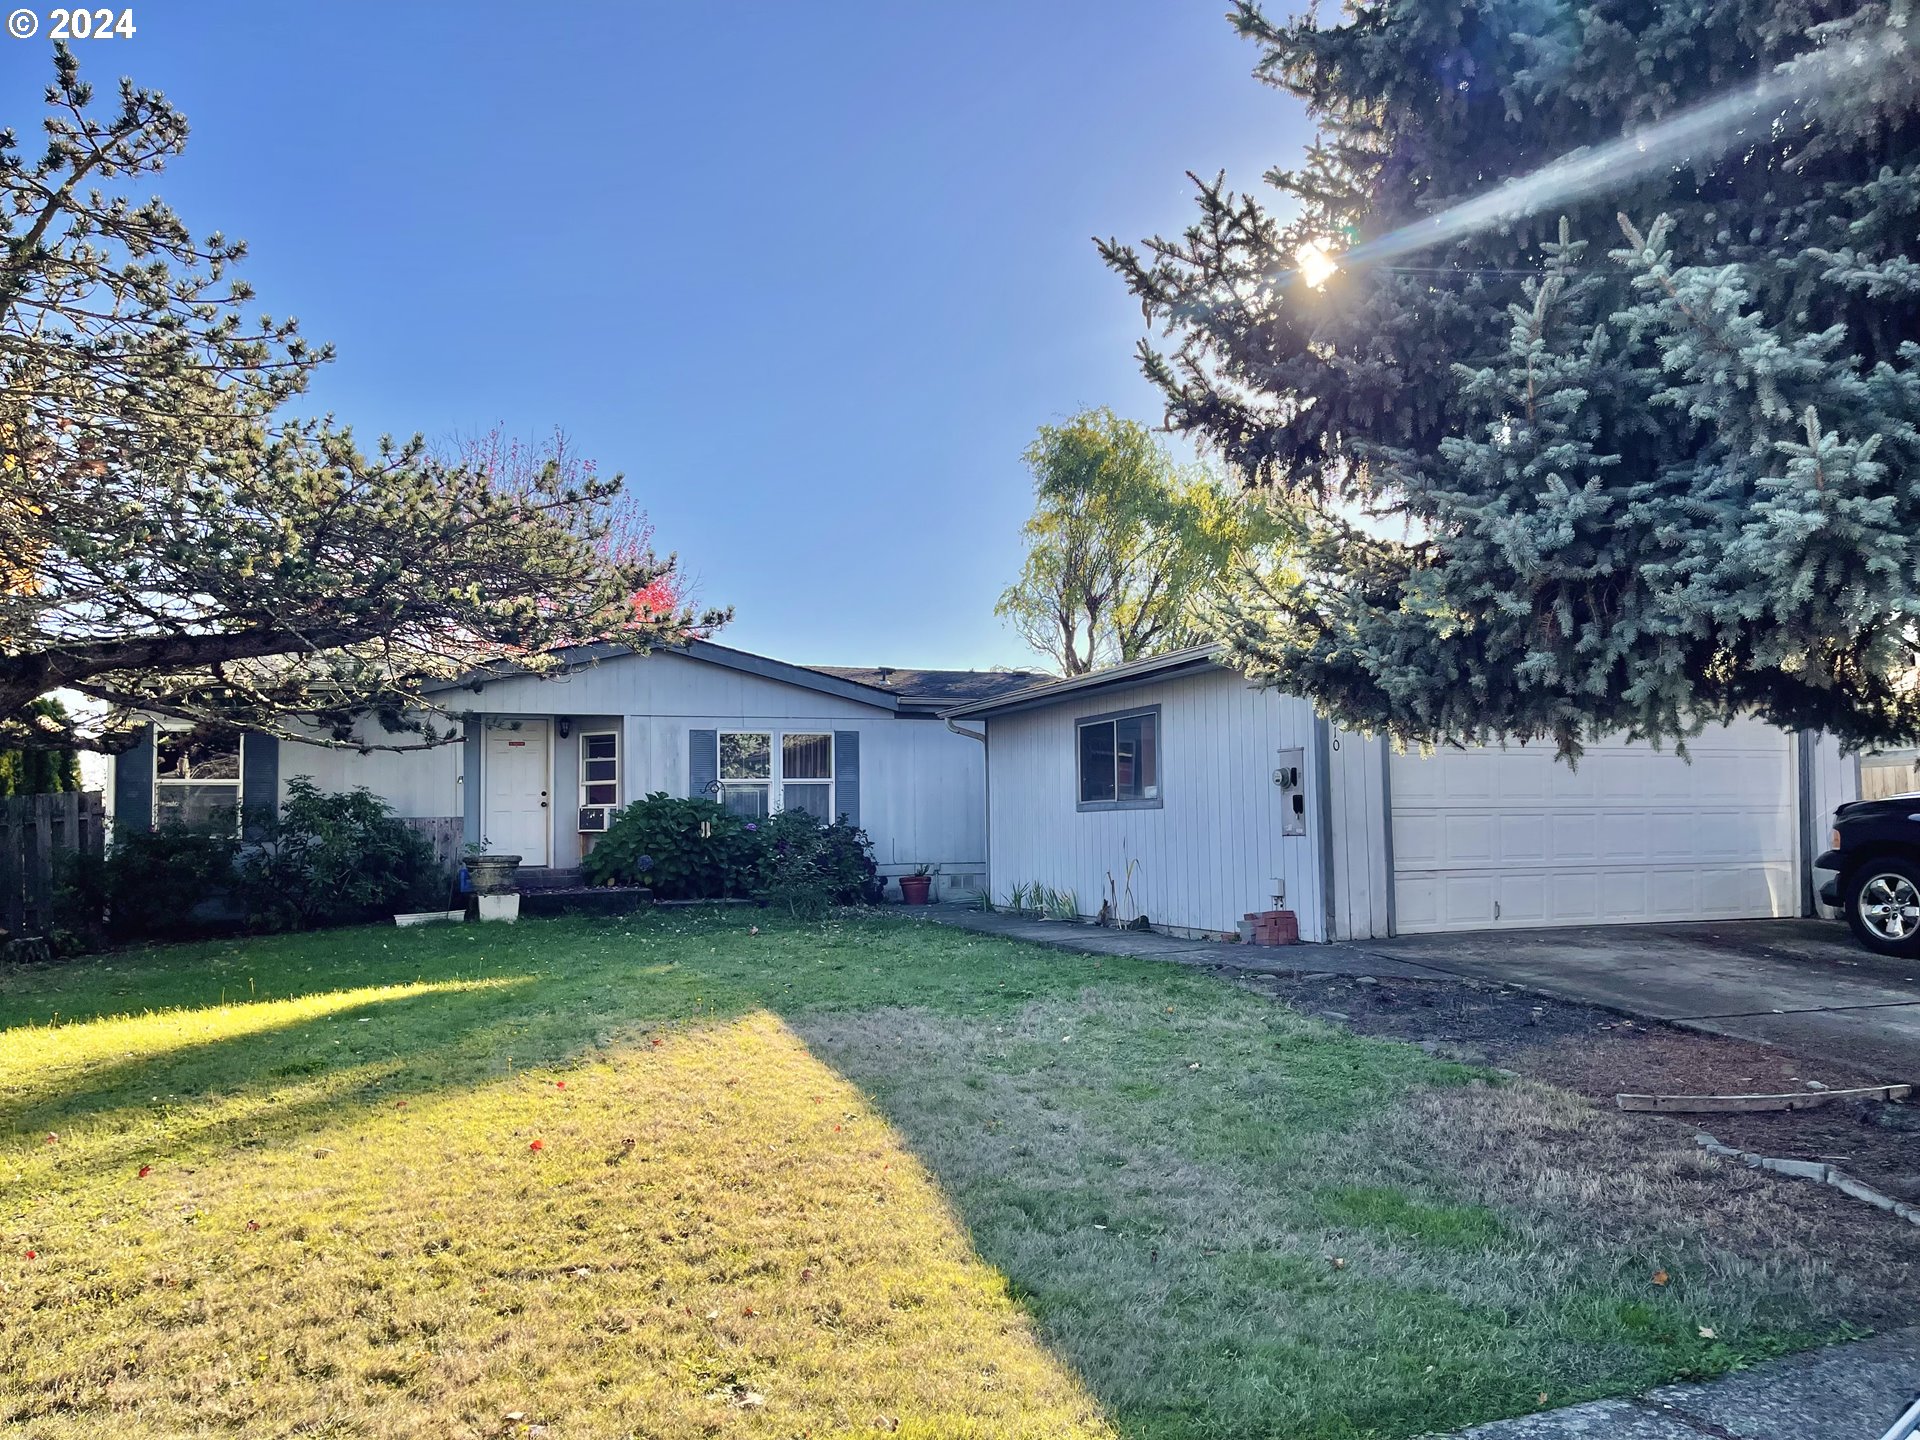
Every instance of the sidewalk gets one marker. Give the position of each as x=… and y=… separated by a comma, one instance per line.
x=1845, y=1392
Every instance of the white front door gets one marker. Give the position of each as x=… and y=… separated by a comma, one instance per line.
x=517, y=818
x=1484, y=837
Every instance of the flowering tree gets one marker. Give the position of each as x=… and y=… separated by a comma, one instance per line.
x=517, y=466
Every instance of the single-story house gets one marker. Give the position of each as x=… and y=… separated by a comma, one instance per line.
x=1173, y=789
x=545, y=760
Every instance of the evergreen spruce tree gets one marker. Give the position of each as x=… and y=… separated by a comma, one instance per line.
x=1639, y=453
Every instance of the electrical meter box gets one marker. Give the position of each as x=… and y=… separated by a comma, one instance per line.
x=1290, y=778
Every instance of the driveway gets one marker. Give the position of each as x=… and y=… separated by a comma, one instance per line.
x=1800, y=984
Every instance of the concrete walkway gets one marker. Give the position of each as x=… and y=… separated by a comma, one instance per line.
x=1082, y=939
x=1846, y=1392
x=1800, y=984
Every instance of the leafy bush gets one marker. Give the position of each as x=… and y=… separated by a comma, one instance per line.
x=660, y=841
x=792, y=877
x=809, y=866
x=847, y=860
x=334, y=858
x=154, y=884
x=694, y=850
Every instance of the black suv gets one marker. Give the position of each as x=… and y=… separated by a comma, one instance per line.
x=1873, y=872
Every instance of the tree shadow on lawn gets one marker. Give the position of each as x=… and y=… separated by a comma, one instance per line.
x=1165, y=1170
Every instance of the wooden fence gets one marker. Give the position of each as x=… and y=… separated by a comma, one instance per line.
x=448, y=836
x=35, y=832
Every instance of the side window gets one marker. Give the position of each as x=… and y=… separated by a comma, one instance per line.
x=600, y=768
x=1118, y=760
x=196, y=779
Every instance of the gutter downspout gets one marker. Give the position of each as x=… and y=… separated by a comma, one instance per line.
x=986, y=756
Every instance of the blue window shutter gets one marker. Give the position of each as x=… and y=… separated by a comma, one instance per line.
x=259, y=781
x=133, y=784
x=703, y=764
x=846, y=773
x=473, y=751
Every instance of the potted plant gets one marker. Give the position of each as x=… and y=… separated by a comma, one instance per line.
x=494, y=879
x=914, y=887
x=493, y=874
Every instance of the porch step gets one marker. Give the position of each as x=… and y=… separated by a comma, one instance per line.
x=621, y=901
x=545, y=877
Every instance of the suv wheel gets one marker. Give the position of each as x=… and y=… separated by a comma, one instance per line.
x=1883, y=906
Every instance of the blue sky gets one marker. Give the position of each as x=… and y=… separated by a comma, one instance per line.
x=809, y=274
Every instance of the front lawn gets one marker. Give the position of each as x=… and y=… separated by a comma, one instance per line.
x=669, y=1177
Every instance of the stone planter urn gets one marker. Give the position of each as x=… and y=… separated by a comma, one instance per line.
x=493, y=874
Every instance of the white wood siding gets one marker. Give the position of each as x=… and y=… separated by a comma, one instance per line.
x=1203, y=859
x=1362, y=880
x=1833, y=779
x=414, y=782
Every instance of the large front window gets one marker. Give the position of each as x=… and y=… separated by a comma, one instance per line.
x=196, y=779
x=1119, y=759
x=762, y=771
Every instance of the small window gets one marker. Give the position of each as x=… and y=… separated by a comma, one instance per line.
x=196, y=779
x=1119, y=760
x=600, y=768
x=806, y=774
x=746, y=773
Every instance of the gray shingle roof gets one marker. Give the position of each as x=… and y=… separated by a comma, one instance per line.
x=948, y=687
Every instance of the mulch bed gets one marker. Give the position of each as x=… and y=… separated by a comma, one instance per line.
x=1600, y=1053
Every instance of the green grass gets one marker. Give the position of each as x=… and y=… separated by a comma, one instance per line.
x=819, y=1180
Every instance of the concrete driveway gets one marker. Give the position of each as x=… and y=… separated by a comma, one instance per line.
x=1800, y=984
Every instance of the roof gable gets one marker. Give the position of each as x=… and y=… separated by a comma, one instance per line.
x=1194, y=660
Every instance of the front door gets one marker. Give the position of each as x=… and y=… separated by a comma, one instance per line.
x=517, y=818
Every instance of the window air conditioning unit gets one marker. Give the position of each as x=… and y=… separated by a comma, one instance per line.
x=594, y=818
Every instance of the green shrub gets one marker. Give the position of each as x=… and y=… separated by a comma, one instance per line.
x=164, y=883
x=335, y=858
x=809, y=866
x=847, y=859
x=694, y=850
x=793, y=879
x=683, y=849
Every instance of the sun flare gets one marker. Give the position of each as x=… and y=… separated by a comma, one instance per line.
x=1315, y=265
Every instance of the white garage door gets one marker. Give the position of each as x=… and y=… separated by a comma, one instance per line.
x=1512, y=838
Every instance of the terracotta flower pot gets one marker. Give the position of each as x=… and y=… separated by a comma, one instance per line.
x=914, y=888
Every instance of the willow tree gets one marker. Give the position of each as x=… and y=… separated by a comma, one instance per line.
x=1621, y=439
x=1128, y=552
x=174, y=540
